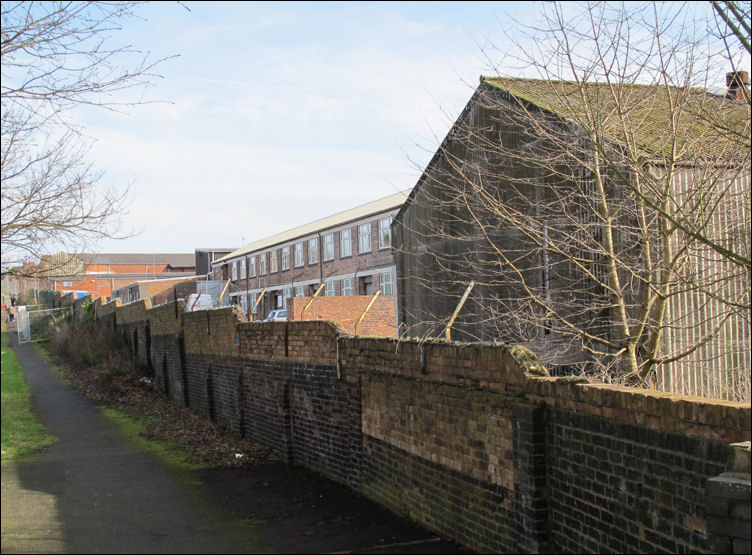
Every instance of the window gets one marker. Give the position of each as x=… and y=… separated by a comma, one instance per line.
x=299, y=255
x=300, y=291
x=345, y=243
x=386, y=284
x=252, y=266
x=262, y=264
x=67, y=284
x=329, y=246
x=366, y=285
x=244, y=303
x=313, y=250
x=385, y=233
x=234, y=271
x=347, y=286
x=287, y=294
x=254, y=298
x=329, y=291
x=242, y=268
x=364, y=238
x=285, y=258
x=272, y=262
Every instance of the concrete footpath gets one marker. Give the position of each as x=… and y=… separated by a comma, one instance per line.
x=93, y=491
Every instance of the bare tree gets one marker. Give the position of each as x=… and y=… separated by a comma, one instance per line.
x=601, y=207
x=57, y=56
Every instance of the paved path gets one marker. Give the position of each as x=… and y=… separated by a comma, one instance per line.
x=93, y=491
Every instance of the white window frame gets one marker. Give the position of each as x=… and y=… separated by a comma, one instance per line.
x=242, y=268
x=328, y=247
x=347, y=287
x=262, y=264
x=364, y=238
x=253, y=307
x=299, y=260
x=385, y=280
x=252, y=266
x=345, y=243
x=273, y=262
x=329, y=290
x=385, y=233
x=286, y=258
x=234, y=271
x=300, y=291
x=313, y=250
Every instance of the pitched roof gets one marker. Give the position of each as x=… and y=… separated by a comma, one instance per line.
x=382, y=205
x=641, y=115
x=172, y=259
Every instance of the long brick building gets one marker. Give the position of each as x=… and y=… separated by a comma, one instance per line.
x=350, y=252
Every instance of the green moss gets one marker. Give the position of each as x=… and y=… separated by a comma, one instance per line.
x=133, y=428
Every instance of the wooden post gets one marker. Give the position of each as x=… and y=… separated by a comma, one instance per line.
x=309, y=303
x=448, y=332
x=370, y=304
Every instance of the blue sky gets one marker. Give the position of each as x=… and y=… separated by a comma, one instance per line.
x=274, y=114
x=277, y=114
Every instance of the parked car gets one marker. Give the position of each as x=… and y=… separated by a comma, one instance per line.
x=199, y=301
x=276, y=316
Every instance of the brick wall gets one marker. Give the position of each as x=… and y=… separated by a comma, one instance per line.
x=468, y=440
x=345, y=312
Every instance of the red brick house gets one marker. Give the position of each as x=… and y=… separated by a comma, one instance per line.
x=99, y=274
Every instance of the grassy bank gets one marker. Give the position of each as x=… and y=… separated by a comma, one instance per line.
x=21, y=432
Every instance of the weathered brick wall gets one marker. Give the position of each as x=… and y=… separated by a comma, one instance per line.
x=467, y=440
x=345, y=312
x=167, y=352
x=326, y=423
x=132, y=323
x=266, y=406
x=626, y=469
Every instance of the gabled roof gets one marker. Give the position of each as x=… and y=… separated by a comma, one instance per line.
x=640, y=115
x=369, y=209
x=714, y=124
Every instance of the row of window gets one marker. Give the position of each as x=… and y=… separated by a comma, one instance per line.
x=238, y=269
x=346, y=288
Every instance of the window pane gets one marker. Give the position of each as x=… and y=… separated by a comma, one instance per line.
x=285, y=258
x=385, y=233
x=329, y=291
x=313, y=251
x=298, y=254
x=345, y=243
x=329, y=246
x=262, y=264
x=386, y=284
x=252, y=269
x=272, y=261
x=364, y=238
x=347, y=286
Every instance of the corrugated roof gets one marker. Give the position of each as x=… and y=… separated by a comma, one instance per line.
x=708, y=122
x=382, y=205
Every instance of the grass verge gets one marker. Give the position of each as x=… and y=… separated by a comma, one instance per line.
x=21, y=432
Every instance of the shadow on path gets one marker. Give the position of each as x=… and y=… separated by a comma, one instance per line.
x=96, y=492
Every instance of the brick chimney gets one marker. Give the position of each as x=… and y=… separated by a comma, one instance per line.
x=737, y=81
